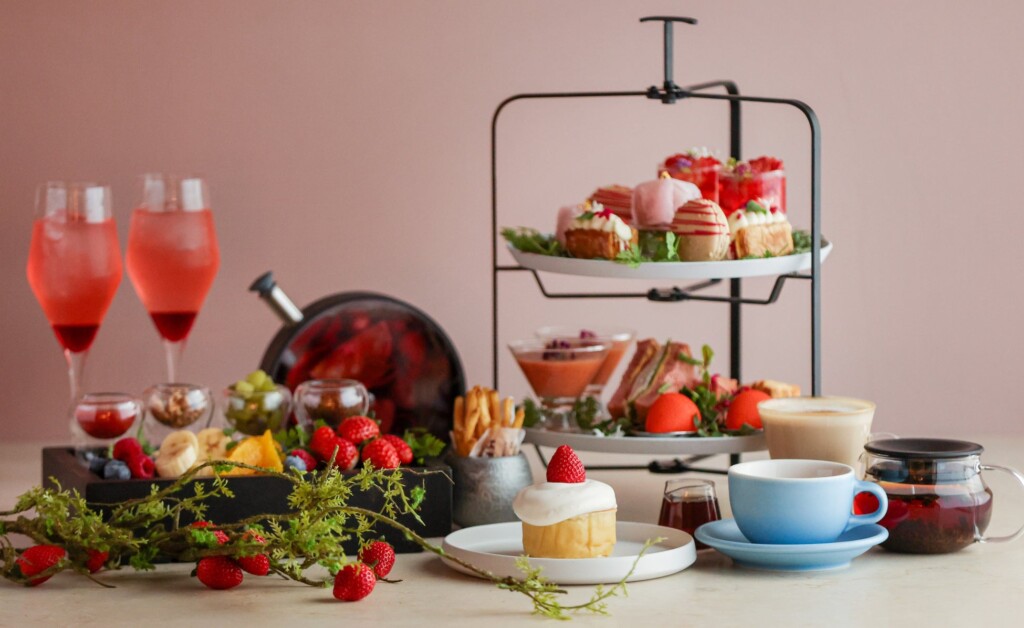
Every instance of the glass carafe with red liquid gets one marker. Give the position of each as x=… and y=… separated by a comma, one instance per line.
x=688, y=504
x=938, y=500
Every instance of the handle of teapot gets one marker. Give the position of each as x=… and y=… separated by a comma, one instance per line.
x=1020, y=531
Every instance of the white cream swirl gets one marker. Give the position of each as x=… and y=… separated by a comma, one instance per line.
x=548, y=503
x=599, y=220
x=743, y=218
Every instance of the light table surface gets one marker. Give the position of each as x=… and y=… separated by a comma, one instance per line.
x=980, y=585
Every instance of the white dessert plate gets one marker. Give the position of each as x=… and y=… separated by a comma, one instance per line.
x=648, y=445
x=727, y=269
x=725, y=536
x=496, y=547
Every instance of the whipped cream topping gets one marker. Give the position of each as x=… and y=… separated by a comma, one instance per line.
x=743, y=218
x=599, y=219
x=548, y=503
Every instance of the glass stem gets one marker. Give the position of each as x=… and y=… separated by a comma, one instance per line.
x=173, y=351
x=76, y=371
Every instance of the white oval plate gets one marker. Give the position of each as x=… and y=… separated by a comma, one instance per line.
x=728, y=269
x=651, y=445
x=496, y=547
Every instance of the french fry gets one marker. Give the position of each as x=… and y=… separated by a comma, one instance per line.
x=485, y=413
x=508, y=409
x=520, y=417
x=472, y=420
x=494, y=399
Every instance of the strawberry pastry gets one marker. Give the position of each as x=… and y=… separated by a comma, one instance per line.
x=568, y=516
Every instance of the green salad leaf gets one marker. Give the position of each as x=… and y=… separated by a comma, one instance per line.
x=630, y=257
x=530, y=240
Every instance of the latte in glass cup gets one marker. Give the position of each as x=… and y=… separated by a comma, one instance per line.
x=817, y=428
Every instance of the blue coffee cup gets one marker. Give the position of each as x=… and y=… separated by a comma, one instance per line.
x=796, y=502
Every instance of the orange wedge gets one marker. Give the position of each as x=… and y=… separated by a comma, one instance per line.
x=258, y=451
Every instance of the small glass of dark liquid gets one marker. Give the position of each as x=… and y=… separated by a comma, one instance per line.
x=688, y=504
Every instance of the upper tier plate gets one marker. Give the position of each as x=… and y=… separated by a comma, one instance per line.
x=728, y=269
x=654, y=446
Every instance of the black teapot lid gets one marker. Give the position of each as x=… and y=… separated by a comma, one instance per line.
x=938, y=448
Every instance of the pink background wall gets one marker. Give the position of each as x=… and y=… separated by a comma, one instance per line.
x=347, y=148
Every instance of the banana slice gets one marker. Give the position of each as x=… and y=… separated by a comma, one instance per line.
x=213, y=445
x=178, y=452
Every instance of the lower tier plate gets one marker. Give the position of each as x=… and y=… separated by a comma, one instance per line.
x=496, y=548
x=655, y=446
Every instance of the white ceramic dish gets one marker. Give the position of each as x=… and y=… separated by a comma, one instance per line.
x=725, y=537
x=651, y=445
x=496, y=547
x=728, y=269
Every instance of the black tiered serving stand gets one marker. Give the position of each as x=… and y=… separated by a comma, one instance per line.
x=669, y=93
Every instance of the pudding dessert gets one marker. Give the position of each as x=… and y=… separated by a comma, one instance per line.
x=702, y=231
x=758, y=231
x=568, y=516
x=655, y=202
x=617, y=198
x=598, y=233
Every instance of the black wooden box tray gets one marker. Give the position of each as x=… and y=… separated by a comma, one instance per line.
x=256, y=495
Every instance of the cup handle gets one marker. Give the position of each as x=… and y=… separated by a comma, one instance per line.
x=981, y=538
x=873, y=517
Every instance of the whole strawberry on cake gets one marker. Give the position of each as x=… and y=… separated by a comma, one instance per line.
x=568, y=516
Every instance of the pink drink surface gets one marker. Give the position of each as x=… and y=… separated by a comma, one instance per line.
x=74, y=269
x=172, y=260
x=559, y=379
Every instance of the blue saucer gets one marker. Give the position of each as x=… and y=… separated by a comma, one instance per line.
x=725, y=536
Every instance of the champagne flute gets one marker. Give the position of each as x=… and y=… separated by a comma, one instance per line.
x=172, y=256
x=74, y=266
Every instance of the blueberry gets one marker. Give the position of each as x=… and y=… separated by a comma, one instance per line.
x=96, y=464
x=116, y=470
x=294, y=462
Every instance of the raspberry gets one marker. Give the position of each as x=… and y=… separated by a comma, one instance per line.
x=219, y=572
x=354, y=582
x=141, y=466
x=565, y=467
x=401, y=447
x=358, y=429
x=380, y=556
x=305, y=456
x=381, y=454
x=39, y=558
x=126, y=448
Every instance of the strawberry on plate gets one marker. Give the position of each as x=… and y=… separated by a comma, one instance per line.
x=354, y=582
x=380, y=556
x=565, y=467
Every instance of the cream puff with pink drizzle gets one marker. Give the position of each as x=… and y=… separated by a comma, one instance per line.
x=702, y=231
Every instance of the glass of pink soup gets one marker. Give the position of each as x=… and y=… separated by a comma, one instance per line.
x=559, y=372
x=618, y=340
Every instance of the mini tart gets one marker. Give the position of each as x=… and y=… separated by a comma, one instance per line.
x=702, y=231
x=600, y=234
x=757, y=232
x=586, y=536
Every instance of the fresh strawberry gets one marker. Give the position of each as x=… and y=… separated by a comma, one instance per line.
x=141, y=466
x=37, y=559
x=322, y=443
x=127, y=448
x=380, y=556
x=348, y=454
x=354, y=582
x=565, y=467
x=219, y=572
x=96, y=560
x=305, y=457
x=402, y=447
x=358, y=429
x=381, y=454
x=259, y=564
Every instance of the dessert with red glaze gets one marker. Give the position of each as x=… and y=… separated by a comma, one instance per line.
x=598, y=233
x=617, y=198
x=655, y=202
x=696, y=166
x=744, y=181
x=760, y=232
x=702, y=231
x=568, y=516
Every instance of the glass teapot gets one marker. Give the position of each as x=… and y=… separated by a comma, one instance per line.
x=938, y=501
